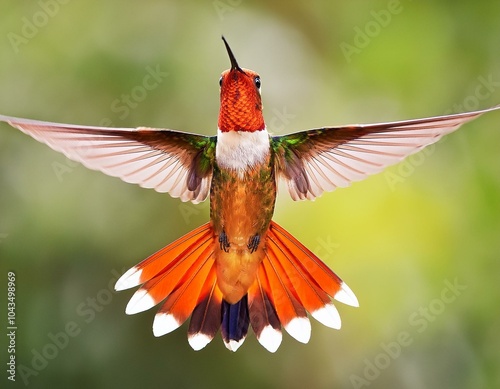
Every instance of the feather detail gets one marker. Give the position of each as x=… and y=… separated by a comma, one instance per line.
x=182, y=274
x=290, y=311
x=310, y=266
x=235, y=321
x=168, y=161
x=324, y=159
x=292, y=280
x=263, y=317
x=171, y=277
x=182, y=301
x=301, y=283
x=206, y=318
x=167, y=256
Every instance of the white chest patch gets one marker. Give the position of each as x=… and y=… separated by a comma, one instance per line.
x=241, y=150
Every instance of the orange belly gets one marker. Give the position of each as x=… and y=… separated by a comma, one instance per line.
x=241, y=207
x=236, y=270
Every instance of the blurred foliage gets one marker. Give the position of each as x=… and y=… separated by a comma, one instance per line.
x=396, y=238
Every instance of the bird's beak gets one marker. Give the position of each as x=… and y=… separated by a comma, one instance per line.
x=234, y=64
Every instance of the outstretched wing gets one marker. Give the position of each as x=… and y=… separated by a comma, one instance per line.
x=323, y=159
x=168, y=161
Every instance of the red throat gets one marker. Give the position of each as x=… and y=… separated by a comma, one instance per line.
x=240, y=102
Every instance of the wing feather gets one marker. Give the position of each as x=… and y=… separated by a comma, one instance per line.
x=324, y=159
x=153, y=158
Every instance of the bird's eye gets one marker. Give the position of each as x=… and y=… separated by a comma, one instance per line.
x=220, y=81
x=256, y=80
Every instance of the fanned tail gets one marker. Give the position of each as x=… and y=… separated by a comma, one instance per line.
x=183, y=276
x=290, y=282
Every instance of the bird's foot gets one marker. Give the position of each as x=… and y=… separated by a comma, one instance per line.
x=253, y=243
x=224, y=242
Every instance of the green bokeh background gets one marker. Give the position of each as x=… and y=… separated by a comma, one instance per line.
x=398, y=238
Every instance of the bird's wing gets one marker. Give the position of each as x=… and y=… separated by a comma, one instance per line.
x=168, y=161
x=324, y=159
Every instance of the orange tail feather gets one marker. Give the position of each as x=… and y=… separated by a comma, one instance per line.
x=206, y=318
x=290, y=282
x=171, y=272
x=263, y=316
x=179, y=305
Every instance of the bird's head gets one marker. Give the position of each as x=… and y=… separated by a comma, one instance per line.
x=240, y=102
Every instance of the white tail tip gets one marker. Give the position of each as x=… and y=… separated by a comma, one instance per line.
x=164, y=323
x=270, y=338
x=131, y=278
x=346, y=295
x=300, y=329
x=140, y=301
x=328, y=316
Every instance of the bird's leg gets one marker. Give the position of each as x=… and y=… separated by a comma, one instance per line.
x=253, y=243
x=223, y=241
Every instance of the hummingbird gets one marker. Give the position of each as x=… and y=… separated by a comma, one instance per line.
x=241, y=269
